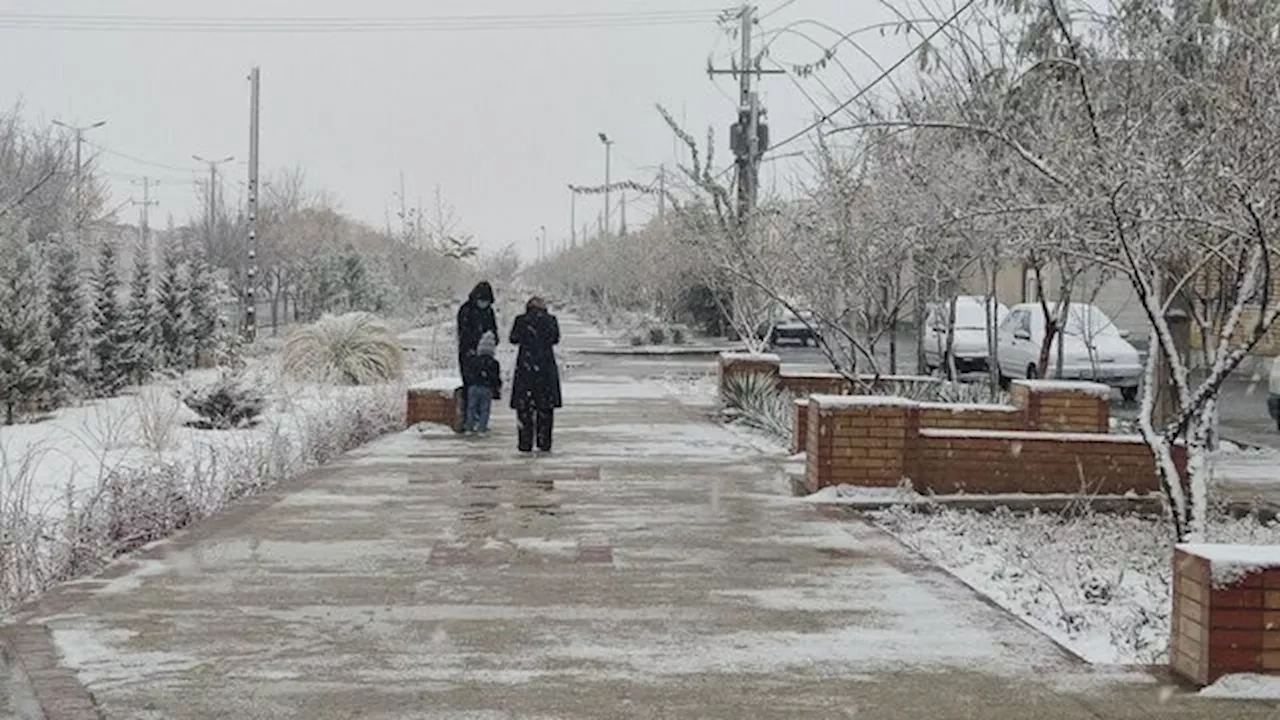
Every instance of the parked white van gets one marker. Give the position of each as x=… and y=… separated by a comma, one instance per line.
x=969, y=340
x=1093, y=348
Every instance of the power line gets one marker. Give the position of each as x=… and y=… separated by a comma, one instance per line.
x=330, y=24
x=881, y=77
x=133, y=158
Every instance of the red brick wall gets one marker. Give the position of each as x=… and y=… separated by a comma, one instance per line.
x=801, y=426
x=970, y=417
x=873, y=441
x=995, y=461
x=1220, y=631
x=1062, y=410
x=732, y=365
x=814, y=384
x=434, y=406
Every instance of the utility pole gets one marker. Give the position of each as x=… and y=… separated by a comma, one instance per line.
x=79, y=131
x=251, y=306
x=748, y=136
x=608, y=146
x=144, y=216
x=662, y=194
x=573, y=216
x=622, y=231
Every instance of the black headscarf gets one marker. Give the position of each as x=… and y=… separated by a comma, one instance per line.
x=482, y=291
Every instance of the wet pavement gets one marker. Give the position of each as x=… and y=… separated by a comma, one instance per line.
x=652, y=567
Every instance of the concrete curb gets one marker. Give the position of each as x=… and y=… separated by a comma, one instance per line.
x=29, y=654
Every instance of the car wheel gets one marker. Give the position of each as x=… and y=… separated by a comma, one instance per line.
x=1129, y=394
x=1032, y=373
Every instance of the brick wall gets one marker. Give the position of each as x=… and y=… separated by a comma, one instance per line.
x=878, y=441
x=801, y=426
x=1001, y=461
x=441, y=407
x=740, y=364
x=733, y=364
x=1043, y=406
x=1218, y=631
x=1055, y=406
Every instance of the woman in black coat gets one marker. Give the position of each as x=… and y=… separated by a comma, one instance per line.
x=475, y=318
x=535, y=390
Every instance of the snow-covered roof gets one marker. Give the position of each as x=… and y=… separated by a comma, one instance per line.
x=1084, y=387
x=1228, y=564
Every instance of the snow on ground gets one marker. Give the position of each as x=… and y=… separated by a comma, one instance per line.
x=74, y=451
x=132, y=465
x=1098, y=584
x=1245, y=686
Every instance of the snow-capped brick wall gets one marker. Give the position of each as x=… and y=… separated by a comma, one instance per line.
x=947, y=462
x=770, y=365
x=436, y=403
x=1226, y=611
x=1057, y=406
x=742, y=364
x=984, y=449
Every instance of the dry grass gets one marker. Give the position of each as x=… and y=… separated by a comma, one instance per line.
x=351, y=349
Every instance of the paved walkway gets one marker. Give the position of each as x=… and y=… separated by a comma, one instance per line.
x=650, y=568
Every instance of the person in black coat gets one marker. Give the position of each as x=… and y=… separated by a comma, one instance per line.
x=475, y=318
x=535, y=390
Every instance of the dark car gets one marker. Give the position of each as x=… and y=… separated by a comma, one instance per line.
x=791, y=327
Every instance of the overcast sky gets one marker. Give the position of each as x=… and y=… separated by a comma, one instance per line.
x=502, y=120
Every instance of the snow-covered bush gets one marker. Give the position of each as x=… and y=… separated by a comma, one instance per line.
x=157, y=413
x=944, y=391
x=230, y=402
x=352, y=349
x=133, y=503
x=761, y=404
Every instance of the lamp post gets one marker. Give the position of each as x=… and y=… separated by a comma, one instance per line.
x=608, y=146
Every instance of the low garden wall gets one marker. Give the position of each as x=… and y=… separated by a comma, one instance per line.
x=1226, y=611
x=769, y=365
x=1053, y=439
x=436, y=402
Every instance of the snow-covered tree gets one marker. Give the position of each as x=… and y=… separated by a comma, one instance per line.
x=205, y=308
x=141, y=355
x=109, y=339
x=175, y=325
x=26, y=350
x=70, y=322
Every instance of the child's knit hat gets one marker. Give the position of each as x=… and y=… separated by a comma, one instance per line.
x=488, y=343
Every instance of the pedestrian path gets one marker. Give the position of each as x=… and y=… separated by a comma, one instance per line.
x=652, y=567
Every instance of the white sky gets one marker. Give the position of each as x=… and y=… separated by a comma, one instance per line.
x=501, y=120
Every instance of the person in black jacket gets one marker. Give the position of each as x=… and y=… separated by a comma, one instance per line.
x=535, y=390
x=475, y=318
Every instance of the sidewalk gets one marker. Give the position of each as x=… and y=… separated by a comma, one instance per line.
x=651, y=568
